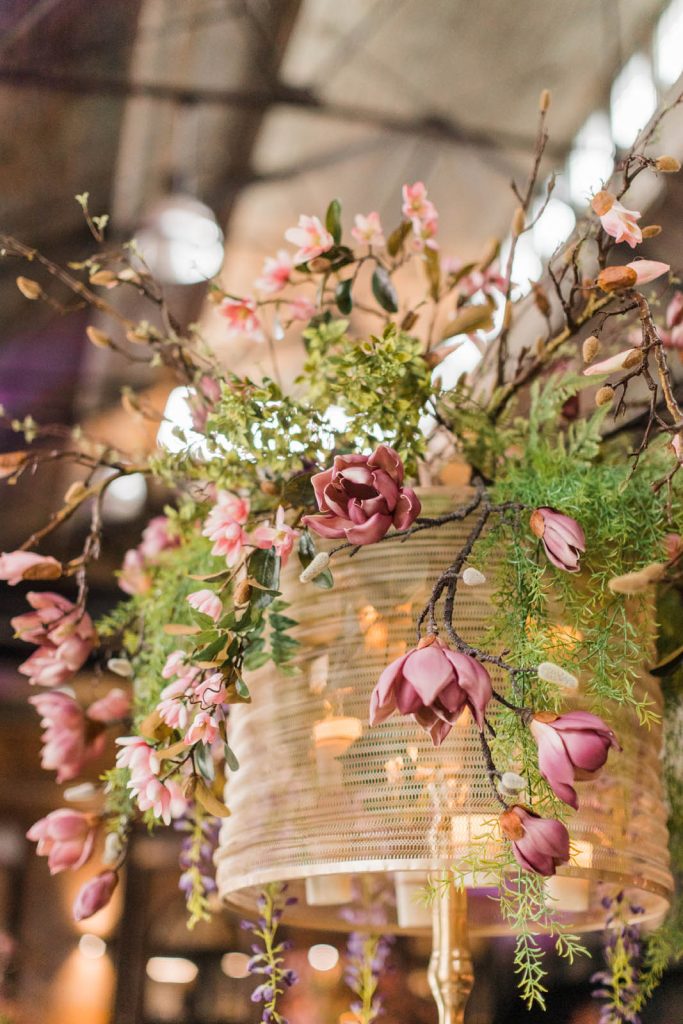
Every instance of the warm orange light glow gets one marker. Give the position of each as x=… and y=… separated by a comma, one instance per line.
x=82, y=990
x=376, y=636
x=367, y=615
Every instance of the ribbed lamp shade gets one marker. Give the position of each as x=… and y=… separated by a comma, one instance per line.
x=357, y=818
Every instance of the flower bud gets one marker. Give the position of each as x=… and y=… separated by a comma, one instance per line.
x=315, y=567
x=635, y=582
x=668, y=164
x=518, y=221
x=511, y=784
x=269, y=487
x=602, y=202
x=113, y=850
x=604, y=395
x=590, y=349
x=549, y=672
x=615, y=279
x=651, y=230
x=242, y=594
x=98, y=337
x=544, y=101
x=120, y=667
x=103, y=277
x=82, y=793
x=29, y=289
x=472, y=577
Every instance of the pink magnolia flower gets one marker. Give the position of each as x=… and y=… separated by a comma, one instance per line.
x=673, y=336
x=133, y=576
x=561, y=536
x=301, y=308
x=65, y=747
x=156, y=537
x=311, y=237
x=224, y=526
x=174, y=664
x=149, y=791
x=114, y=706
x=478, y=280
x=571, y=746
x=362, y=496
x=207, y=602
x=94, y=895
x=433, y=684
x=623, y=360
x=212, y=690
x=416, y=206
x=368, y=229
x=65, y=837
x=616, y=220
x=204, y=729
x=27, y=565
x=424, y=234
x=65, y=633
x=242, y=317
x=276, y=272
x=280, y=536
x=538, y=844
x=648, y=270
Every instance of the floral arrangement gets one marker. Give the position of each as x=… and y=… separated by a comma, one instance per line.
x=587, y=516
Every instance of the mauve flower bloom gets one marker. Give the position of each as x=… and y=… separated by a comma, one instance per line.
x=648, y=270
x=672, y=336
x=242, y=317
x=416, y=206
x=65, y=633
x=212, y=690
x=538, y=844
x=156, y=537
x=65, y=837
x=562, y=537
x=16, y=566
x=301, y=308
x=65, y=747
x=207, y=602
x=311, y=238
x=174, y=663
x=204, y=729
x=276, y=272
x=570, y=747
x=281, y=537
x=433, y=684
x=114, y=706
x=424, y=234
x=368, y=229
x=616, y=220
x=94, y=895
x=229, y=508
x=362, y=496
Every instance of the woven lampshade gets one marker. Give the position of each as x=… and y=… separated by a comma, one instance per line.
x=354, y=818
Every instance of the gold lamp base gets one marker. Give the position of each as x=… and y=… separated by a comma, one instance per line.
x=450, y=973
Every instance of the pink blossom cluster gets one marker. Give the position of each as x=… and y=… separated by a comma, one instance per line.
x=194, y=702
x=134, y=577
x=16, y=566
x=225, y=524
x=164, y=798
x=422, y=214
x=72, y=737
x=64, y=635
x=242, y=318
x=487, y=280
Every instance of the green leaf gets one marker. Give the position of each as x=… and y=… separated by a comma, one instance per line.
x=255, y=659
x=264, y=566
x=241, y=689
x=324, y=580
x=343, y=296
x=433, y=270
x=333, y=220
x=397, y=237
x=204, y=761
x=384, y=291
x=230, y=758
x=306, y=548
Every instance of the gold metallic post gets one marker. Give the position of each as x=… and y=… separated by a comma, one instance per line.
x=450, y=973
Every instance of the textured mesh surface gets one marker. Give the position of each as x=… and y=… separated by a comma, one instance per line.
x=388, y=801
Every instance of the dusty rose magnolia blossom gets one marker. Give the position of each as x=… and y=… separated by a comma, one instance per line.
x=65, y=837
x=67, y=747
x=94, y=895
x=280, y=536
x=65, y=635
x=561, y=536
x=538, y=844
x=16, y=566
x=362, y=497
x=311, y=237
x=207, y=602
x=113, y=707
x=433, y=684
x=616, y=220
x=571, y=747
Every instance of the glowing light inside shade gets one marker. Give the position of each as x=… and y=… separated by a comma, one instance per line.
x=171, y=970
x=235, y=965
x=633, y=99
x=590, y=162
x=125, y=498
x=553, y=227
x=92, y=947
x=181, y=241
x=322, y=957
x=668, y=44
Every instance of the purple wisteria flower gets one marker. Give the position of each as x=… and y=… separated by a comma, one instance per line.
x=268, y=955
x=366, y=958
x=618, y=984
